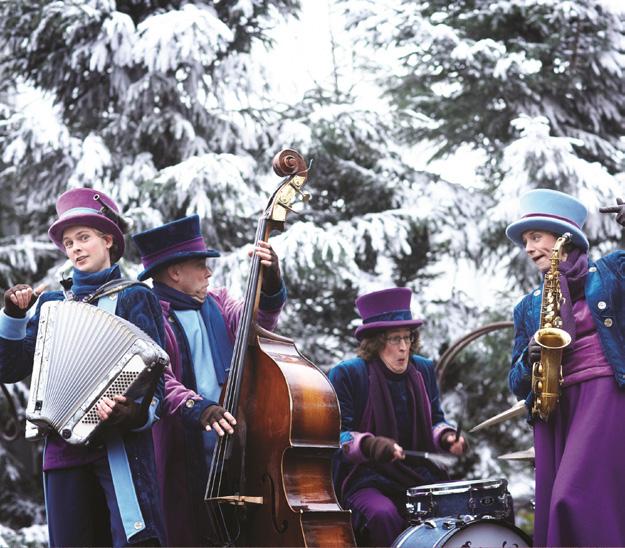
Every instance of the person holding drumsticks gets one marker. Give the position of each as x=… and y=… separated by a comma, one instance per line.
x=390, y=404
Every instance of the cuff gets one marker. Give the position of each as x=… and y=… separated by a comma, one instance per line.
x=152, y=416
x=351, y=447
x=437, y=432
x=275, y=301
x=191, y=411
x=13, y=329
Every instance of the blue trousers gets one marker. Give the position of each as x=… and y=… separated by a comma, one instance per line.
x=82, y=507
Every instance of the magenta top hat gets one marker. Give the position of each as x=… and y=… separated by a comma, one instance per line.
x=551, y=211
x=80, y=207
x=385, y=309
x=171, y=243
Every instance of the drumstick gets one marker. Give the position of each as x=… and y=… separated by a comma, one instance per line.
x=40, y=289
x=458, y=429
x=436, y=458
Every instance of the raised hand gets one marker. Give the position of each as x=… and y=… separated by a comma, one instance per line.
x=18, y=299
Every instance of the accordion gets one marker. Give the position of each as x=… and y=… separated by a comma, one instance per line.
x=82, y=355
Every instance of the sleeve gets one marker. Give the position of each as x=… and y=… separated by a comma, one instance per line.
x=350, y=440
x=520, y=375
x=141, y=307
x=18, y=337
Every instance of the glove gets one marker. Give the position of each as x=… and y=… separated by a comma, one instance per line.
x=378, y=448
x=216, y=414
x=534, y=350
x=18, y=310
x=124, y=413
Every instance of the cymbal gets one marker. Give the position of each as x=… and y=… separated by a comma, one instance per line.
x=517, y=410
x=528, y=454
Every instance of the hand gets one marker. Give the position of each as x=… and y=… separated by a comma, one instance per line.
x=454, y=446
x=533, y=351
x=216, y=418
x=381, y=449
x=18, y=299
x=122, y=412
x=269, y=259
x=619, y=209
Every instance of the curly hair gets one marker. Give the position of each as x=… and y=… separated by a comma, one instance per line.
x=373, y=343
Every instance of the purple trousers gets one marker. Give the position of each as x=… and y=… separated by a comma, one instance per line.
x=580, y=468
x=378, y=515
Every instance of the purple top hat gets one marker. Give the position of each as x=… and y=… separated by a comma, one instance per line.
x=80, y=207
x=386, y=309
x=171, y=243
x=551, y=211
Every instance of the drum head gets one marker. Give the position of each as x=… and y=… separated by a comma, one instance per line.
x=446, y=533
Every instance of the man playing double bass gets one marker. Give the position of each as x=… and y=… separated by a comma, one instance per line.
x=201, y=324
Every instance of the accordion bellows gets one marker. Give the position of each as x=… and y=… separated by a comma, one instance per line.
x=83, y=354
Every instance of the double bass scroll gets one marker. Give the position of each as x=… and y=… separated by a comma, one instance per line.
x=276, y=469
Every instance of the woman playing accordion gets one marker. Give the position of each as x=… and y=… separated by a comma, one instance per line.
x=100, y=494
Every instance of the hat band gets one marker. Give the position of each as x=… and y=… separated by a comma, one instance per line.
x=196, y=244
x=79, y=211
x=552, y=217
x=396, y=315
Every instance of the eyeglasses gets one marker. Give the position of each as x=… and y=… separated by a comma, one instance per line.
x=396, y=340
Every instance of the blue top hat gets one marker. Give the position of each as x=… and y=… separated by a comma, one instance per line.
x=551, y=211
x=171, y=243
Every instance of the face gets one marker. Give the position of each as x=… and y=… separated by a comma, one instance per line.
x=539, y=246
x=396, y=351
x=191, y=277
x=87, y=248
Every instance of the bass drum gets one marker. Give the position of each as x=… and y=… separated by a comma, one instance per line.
x=455, y=533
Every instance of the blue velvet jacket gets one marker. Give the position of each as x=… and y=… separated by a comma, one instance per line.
x=140, y=306
x=605, y=296
x=350, y=379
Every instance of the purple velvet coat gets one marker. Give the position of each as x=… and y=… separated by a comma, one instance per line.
x=178, y=435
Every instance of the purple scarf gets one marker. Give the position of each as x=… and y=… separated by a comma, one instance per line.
x=379, y=418
x=573, y=274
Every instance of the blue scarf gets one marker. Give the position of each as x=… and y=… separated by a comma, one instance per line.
x=85, y=283
x=218, y=336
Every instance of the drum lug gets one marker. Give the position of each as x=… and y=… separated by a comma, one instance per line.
x=430, y=524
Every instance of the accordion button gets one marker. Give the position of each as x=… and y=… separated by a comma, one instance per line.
x=592, y=269
x=608, y=322
x=190, y=403
x=536, y=293
x=601, y=305
x=138, y=525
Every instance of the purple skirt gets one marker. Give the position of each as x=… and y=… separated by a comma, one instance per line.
x=580, y=468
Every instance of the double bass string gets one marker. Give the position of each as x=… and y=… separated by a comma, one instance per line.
x=216, y=472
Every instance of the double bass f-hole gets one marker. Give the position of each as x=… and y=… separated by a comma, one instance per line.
x=274, y=507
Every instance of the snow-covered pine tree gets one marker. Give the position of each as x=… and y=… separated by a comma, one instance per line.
x=472, y=74
x=158, y=103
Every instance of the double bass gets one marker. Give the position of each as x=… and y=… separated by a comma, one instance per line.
x=270, y=483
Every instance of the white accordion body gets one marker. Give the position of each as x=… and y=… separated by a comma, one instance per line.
x=83, y=354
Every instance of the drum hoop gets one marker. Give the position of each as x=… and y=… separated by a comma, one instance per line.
x=457, y=487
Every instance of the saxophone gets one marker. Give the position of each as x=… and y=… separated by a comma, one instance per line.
x=547, y=373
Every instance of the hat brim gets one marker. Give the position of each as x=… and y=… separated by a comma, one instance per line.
x=177, y=258
x=97, y=221
x=378, y=326
x=515, y=230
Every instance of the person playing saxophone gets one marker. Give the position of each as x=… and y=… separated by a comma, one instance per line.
x=578, y=456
